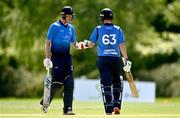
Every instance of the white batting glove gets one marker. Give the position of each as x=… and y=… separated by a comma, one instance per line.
x=127, y=66
x=47, y=63
x=86, y=43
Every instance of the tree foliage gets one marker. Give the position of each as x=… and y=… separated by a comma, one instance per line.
x=151, y=29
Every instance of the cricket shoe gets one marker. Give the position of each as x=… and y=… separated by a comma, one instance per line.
x=116, y=110
x=44, y=109
x=69, y=113
x=108, y=113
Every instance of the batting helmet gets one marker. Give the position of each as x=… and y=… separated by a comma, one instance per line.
x=106, y=13
x=66, y=10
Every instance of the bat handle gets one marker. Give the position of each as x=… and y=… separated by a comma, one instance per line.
x=48, y=71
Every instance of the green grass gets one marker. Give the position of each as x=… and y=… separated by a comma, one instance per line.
x=163, y=107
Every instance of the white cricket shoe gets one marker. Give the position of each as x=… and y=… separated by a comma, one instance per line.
x=69, y=112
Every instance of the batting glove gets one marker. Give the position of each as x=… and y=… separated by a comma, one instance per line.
x=86, y=43
x=48, y=63
x=127, y=66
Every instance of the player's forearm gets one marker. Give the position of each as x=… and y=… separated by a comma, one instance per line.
x=123, y=50
x=48, y=49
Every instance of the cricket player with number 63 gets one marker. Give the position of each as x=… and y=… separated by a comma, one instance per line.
x=110, y=49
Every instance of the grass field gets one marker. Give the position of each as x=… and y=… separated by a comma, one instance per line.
x=162, y=108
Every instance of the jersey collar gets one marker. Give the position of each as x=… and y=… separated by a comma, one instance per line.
x=108, y=24
x=63, y=24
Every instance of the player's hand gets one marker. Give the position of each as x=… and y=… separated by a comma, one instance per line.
x=127, y=65
x=47, y=63
x=83, y=45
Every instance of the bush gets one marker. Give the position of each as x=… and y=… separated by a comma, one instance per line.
x=167, y=78
x=19, y=83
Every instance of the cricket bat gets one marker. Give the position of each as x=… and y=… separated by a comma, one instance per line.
x=132, y=84
x=47, y=89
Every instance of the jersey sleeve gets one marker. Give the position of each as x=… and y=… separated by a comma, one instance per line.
x=50, y=33
x=94, y=35
x=121, y=36
x=73, y=38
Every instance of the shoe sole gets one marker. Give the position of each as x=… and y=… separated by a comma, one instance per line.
x=108, y=113
x=69, y=114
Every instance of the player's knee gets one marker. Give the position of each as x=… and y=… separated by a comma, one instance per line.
x=56, y=85
x=118, y=84
x=117, y=87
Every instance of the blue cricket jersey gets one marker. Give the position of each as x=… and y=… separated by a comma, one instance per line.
x=108, y=37
x=61, y=36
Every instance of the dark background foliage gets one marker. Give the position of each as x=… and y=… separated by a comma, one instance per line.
x=151, y=28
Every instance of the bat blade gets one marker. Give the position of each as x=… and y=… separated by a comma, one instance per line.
x=47, y=89
x=132, y=84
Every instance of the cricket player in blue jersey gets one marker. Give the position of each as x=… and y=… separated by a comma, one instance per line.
x=59, y=37
x=110, y=49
